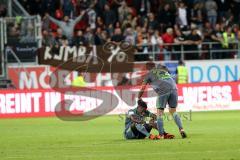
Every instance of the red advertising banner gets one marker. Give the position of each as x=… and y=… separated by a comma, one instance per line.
x=210, y=96
x=38, y=77
x=109, y=100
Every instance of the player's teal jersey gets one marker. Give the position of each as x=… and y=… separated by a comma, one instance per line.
x=160, y=80
x=128, y=121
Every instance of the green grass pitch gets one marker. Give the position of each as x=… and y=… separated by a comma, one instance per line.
x=212, y=135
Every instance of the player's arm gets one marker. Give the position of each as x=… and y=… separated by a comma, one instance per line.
x=135, y=119
x=152, y=121
x=57, y=22
x=79, y=18
x=177, y=76
x=143, y=86
x=151, y=115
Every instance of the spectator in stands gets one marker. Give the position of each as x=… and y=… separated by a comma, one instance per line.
x=27, y=32
x=156, y=41
x=129, y=22
x=236, y=11
x=85, y=4
x=207, y=30
x=123, y=12
x=165, y=17
x=179, y=40
x=142, y=43
x=100, y=23
x=49, y=6
x=13, y=30
x=168, y=38
x=143, y=21
x=58, y=38
x=145, y=42
x=67, y=7
x=238, y=39
x=228, y=19
x=129, y=36
x=92, y=15
x=152, y=23
x=67, y=25
x=142, y=7
x=194, y=40
x=64, y=41
x=61, y=41
x=97, y=37
x=109, y=16
x=80, y=40
x=46, y=23
x=3, y=10
x=104, y=37
x=48, y=39
x=197, y=14
x=139, y=37
x=100, y=7
x=182, y=14
x=89, y=36
x=228, y=39
x=235, y=30
x=110, y=30
x=117, y=37
x=223, y=7
x=217, y=37
x=211, y=9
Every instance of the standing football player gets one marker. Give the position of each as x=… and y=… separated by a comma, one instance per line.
x=164, y=85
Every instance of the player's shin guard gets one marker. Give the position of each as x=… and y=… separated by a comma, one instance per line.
x=160, y=125
x=177, y=120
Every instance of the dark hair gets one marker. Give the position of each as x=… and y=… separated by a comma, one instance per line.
x=142, y=104
x=150, y=65
x=181, y=62
x=64, y=37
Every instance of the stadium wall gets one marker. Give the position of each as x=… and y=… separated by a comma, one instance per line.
x=109, y=100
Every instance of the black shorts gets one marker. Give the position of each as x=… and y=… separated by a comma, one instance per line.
x=138, y=134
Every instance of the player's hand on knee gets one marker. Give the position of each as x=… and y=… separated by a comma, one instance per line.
x=151, y=122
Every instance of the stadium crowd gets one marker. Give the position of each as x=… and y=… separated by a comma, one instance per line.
x=150, y=25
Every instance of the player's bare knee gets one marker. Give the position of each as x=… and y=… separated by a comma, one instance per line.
x=160, y=112
x=172, y=110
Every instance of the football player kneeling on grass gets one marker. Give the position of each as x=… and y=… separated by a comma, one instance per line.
x=135, y=125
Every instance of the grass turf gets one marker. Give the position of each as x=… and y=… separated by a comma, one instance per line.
x=212, y=135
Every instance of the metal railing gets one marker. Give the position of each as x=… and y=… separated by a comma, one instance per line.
x=3, y=41
x=209, y=50
x=23, y=34
x=24, y=29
